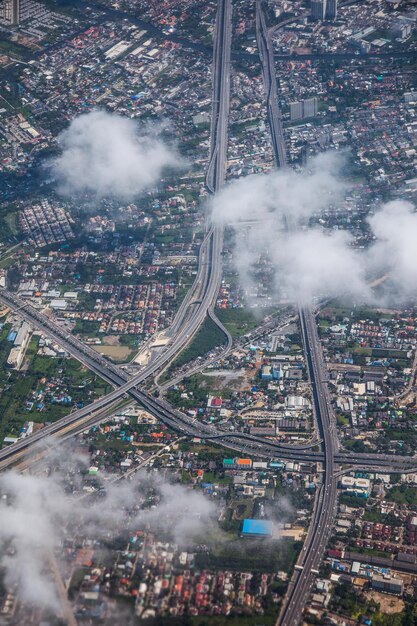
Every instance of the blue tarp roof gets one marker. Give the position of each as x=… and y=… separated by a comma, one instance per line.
x=257, y=527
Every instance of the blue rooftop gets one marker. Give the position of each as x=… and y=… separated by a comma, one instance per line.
x=262, y=528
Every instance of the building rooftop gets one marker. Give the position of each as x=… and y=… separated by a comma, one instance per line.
x=258, y=527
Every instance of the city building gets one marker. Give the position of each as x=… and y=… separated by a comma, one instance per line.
x=269, y=372
x=257, y=528
x=17, y=353
x=303, y=109
x=10, y=12
x=388, y=584
x=331, y=9
x=401, y=29
x=410, y=96
x=296, y=111
x=318, y=9
x=310, y=107
x=356, y=486
x=14, y=12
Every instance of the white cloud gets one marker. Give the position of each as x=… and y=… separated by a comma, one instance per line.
x=105, y=155
x=31, y=518
x=283, y=192
x=313, y=262
x=395, y=249
x=260, y=207
x=38, y=511
x=316, y=263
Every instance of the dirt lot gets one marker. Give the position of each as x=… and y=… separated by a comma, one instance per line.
x=118, y=353
x=111, y=340
x=388, y=604
x=235, y=380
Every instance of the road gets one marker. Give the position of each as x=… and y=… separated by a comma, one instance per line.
x=179, y=422
x=207, y=281
x=199, y=365
x=209, y=274
x=200, y=300
x=266, y=55
x=193, y=368
x=325, y=507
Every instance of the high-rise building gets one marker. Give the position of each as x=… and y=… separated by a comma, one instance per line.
x=310, y=107
x=401, y=29
x=331, y=10
x=303, y=109
x=10, y=12
x=410, y=96
x=16, y=12
x=318, y=9
x=296, y=111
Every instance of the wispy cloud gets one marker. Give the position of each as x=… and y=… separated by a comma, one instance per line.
x=270, y=214
x=282, y=193
x=37, y=512
x=105, y=155
x=395, y=249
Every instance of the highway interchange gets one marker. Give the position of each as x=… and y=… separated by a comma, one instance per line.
x=200, y=300
x=173, y=418
x=199, y=303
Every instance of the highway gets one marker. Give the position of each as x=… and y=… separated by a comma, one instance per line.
x=110, y=373
x=198, y=365
x=209, y=275
x=207, y=281
x=206, y=287
x=199, y=303
x=203, y=294
x=325, y=507
x=266, y=55
x=179, y=422
x=201, y=298
x=91, y=359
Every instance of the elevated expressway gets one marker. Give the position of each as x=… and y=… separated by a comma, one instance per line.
x=205, y=288
x=325, y=508
x=201, y=298
x=192, y=312
x=183, y=424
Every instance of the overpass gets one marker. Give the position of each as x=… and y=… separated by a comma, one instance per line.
x=174, y=419
x=201, y=298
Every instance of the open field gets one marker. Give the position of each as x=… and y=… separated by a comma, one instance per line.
x=118, y=353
